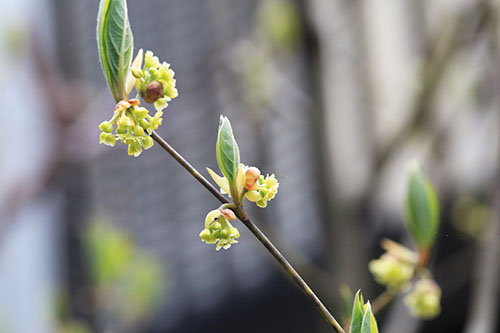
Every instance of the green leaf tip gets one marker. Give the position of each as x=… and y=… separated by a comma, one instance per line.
x=421, y=207
x=228, y=153
x=115, y=44
x=362, y=319
x=357, y=313
x=369, y=324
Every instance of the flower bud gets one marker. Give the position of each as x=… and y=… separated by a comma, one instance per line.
x=125, y=122
x=140, y=112
x=228, y=214
x=137, y=73
x=154, y=91
x=134, y=149
x=423, y=301
x=146, y=142
x=234, y=233
x=107, y=138
x=106, y=126
x=206, y=236
x=251, y=176
x=391, y=272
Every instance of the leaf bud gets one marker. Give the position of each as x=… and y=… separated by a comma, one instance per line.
x=154, y=91
x=228, y=214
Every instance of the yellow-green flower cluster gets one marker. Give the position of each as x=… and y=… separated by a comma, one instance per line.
x=132, y=123
x=219, y=230
x=391, y=272
x=250, y=184
x=155, y=81
x=396, y=267
x=267, y=188
x=424, y=300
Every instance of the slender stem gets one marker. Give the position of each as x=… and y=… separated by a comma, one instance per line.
x=189, y=168
x=256, y=231
x=382, y=300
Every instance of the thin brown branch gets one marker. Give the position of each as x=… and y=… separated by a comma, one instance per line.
x=257, y=233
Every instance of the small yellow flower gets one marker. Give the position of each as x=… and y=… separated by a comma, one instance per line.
x=155, y=82
x=258, y=189
x=266, y=191
x=218, y=229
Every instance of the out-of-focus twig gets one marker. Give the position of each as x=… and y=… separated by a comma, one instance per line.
x=444, y=47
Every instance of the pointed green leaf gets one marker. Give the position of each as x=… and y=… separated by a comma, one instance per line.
x=115, y=43
x=421, y=208
x=369, y=324
x=228, y=154
x=357, y=313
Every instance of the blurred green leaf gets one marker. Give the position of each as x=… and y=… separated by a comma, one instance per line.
x=128, y=280
x=357, y=313
x=369, y=324
x=228, y=154
x=115, y=42
x=110, y=252
x=421, y=208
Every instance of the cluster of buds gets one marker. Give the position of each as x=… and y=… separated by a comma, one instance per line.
x=391, y=272
x=155, y=81
x=397, y=268
x=132, y=125
x=219, y=230
x=250, y=184
x=424, y=300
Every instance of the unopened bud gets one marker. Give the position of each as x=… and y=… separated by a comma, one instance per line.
x=106, y=126
x=251, y=177
x=107, y=138
x=137, y=73
x=228, y=214
x=140, y=112
x=134, y=149
x=147, y=142
x=125, y=122
x=154, y=91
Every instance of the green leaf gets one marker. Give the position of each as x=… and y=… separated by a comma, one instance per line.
x=357, y=313
x=228, y=154
x=115, y=43
x=421, y=208
x=369, y=324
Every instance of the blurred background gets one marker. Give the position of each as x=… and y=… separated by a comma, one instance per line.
x=333, y=96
